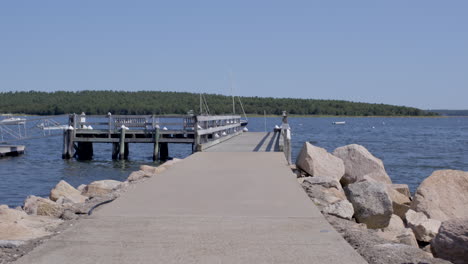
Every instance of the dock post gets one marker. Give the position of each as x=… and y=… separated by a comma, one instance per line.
x=156, y=144
x=68, y=147
x=126, y=150
x=122, y=143
x=65, y=144
x=164, y=151
x=197, y=141
x=115, y=151
x=71, y=144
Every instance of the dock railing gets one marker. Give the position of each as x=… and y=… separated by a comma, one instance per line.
x=212, y=130
x=111, y=123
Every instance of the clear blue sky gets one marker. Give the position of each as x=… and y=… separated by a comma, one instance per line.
x=407, y=52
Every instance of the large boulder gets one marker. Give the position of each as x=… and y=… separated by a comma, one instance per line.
x=63, y=189
x=361, y=164
x=151, y=170
x=400, y=202
x=17, y=225
x=325, y=182
x=317, y=161
x=34, y=205
x=451, y=243
x=403, y=189
x=443, y=195
x=343, y=209
x=378, y=250
x=100, y=188
x=138, y=175
x=396, y=232
x=424, y=228
x=372, y=205
x=321, y=195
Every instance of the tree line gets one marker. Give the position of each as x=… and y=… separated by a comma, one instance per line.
x=158, y=102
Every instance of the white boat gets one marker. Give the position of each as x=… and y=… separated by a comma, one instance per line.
x=13, y=121
x=339, y=123
x=60, y=127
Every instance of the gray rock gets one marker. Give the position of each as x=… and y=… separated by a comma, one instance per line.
x=66, y=190
x=372, y=205
x=396, y=232
x=17, y=225
x=317, y=161
x=342, y=209
x=152, y=170
x=443, y=195
x=34, y=205
x=326, y=182
x=424, y=228
x=68, y=214
x=81, y=187
x=100, y=188
x=403, y=189
x=360, y=163
x=451, y=243
x=138, y=175
x=377, y=250
x=11, y=243
x=322, y=196
x=400, y=202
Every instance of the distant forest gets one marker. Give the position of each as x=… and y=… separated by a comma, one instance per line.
x=451, y=112
x=157, y=102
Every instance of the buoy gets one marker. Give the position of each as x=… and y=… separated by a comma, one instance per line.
x=245, y=129
x=164, y=128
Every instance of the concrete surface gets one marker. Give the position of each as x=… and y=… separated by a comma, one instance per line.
x=249, y=142
x=212, y=207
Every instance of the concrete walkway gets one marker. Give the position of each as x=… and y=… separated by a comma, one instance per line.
x=212, y=207
x=249, y=142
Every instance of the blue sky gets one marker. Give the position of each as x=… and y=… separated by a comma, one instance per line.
x=412, y=53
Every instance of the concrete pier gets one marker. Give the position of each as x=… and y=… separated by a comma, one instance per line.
x=212, y=207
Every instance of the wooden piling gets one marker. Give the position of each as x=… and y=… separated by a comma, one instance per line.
x=164, y=151
x=65, y=145
x=122, y=143
x=115, y=151
x=156, y=144
x=71, y=144
x=127, y=150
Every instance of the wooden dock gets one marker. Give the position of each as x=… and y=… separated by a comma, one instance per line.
x=204, y=133
x=11, y=150
x=218, y=206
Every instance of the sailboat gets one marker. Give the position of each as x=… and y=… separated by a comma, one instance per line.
x=13, y=121
x=244, y=122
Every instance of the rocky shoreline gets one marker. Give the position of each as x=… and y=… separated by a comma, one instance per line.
x=24, y=228
x=383, y=222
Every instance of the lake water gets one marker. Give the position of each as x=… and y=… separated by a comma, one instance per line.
x=411, y=149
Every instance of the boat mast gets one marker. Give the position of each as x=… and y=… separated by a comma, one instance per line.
x=232, y=94
x=201, y=105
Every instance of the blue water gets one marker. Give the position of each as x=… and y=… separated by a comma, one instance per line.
x=411, y=149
